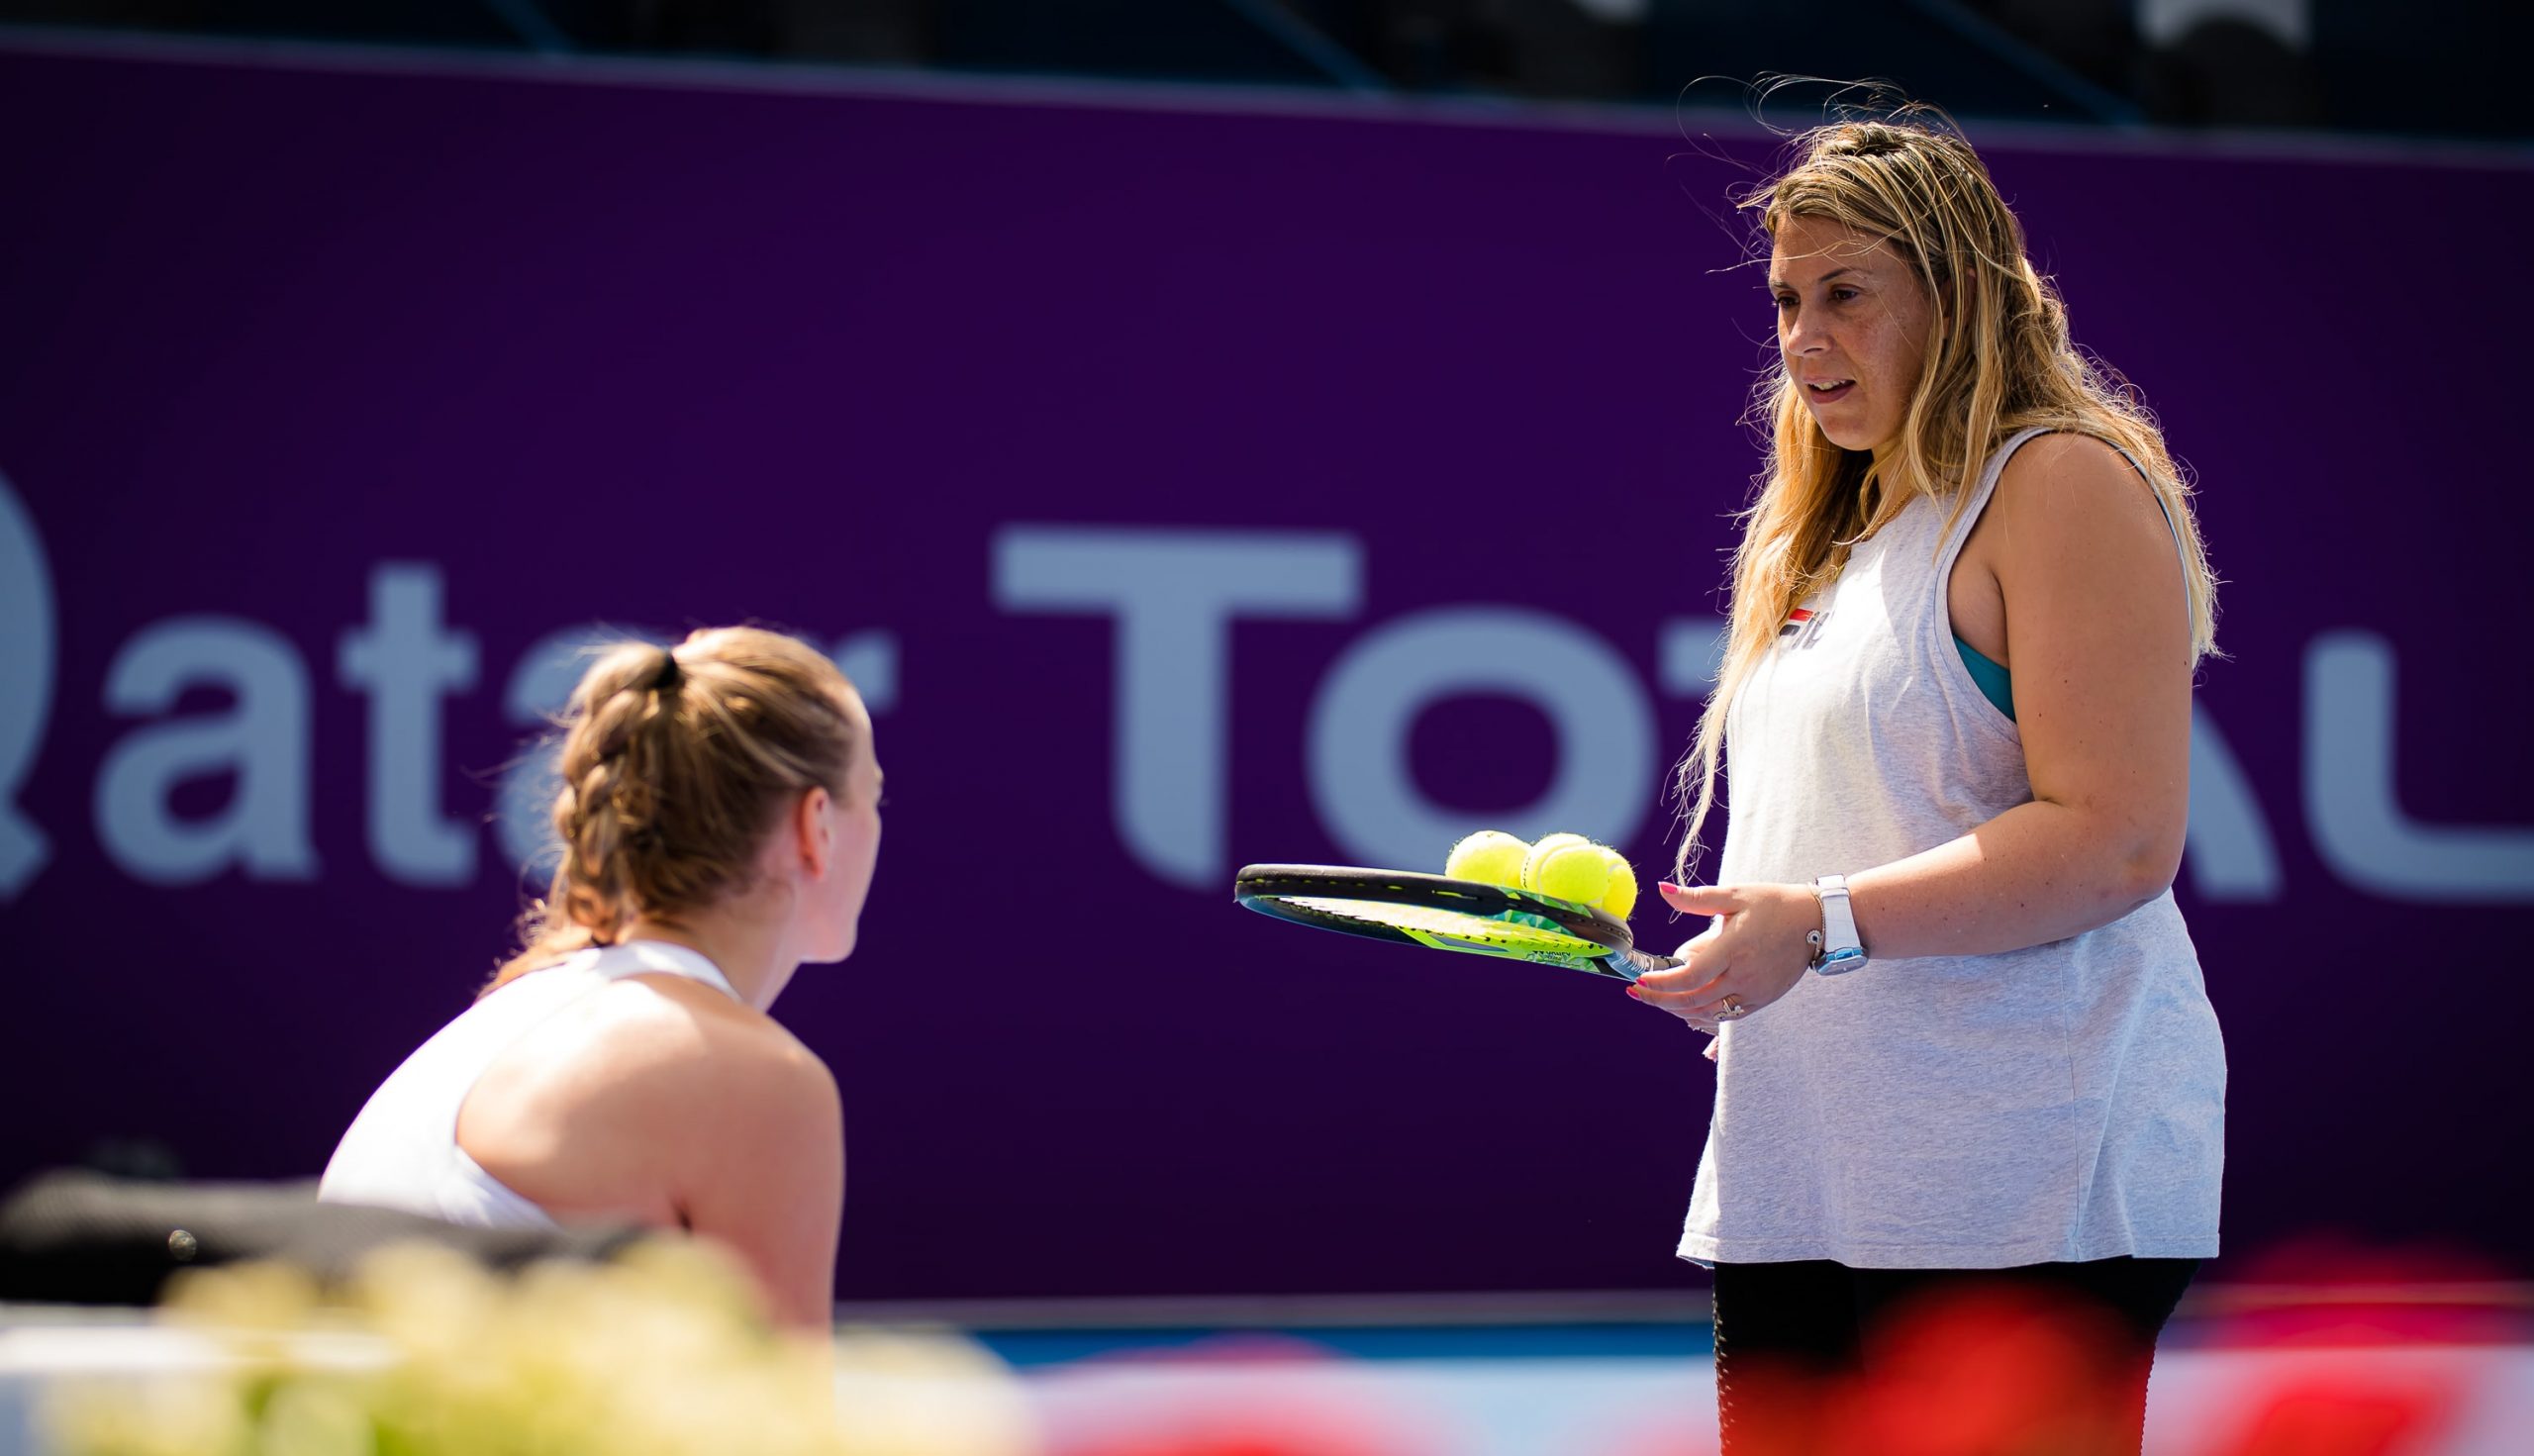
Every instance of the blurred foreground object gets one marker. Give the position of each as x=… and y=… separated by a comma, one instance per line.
x=2339, y=1370
x=2332, y=1346
x=84, y=1238
x=661, y=1352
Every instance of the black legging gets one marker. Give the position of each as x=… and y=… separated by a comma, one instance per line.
x=1784, y=1333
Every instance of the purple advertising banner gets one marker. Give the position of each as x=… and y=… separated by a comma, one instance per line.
x=1173, y=481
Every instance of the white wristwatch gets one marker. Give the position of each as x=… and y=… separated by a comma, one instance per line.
x=1835, y=949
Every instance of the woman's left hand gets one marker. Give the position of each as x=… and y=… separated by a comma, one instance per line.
x=1753, y=954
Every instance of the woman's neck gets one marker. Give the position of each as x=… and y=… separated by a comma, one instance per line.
x=745, y=950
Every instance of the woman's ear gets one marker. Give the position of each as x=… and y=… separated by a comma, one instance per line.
x=816, y=838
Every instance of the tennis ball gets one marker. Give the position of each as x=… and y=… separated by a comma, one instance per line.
x=1620, y=897
x=1540, y=854
x=1489, y=856
x=1578, y=871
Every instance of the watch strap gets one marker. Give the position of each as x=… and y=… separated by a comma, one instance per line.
x=1835, y=946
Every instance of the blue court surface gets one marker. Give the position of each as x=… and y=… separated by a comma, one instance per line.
x=1628, y=1376
x=1476, y=1376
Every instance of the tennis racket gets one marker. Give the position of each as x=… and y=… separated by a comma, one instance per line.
x=1465, y=915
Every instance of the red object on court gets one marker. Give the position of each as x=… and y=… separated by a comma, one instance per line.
x=2355, y=1412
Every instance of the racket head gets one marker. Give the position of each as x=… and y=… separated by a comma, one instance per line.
x=1468, y=917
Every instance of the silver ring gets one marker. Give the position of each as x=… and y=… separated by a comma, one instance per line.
x=1733, y=1008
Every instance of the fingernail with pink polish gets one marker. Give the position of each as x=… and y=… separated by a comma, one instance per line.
x=1631, y=991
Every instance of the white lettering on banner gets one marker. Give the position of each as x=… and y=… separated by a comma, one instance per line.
x=540, y=688
x=262, y=742
x=1175, y=595
x=869, y=661
x=25, y=685
x=2226, y=845
x=404, y=662
x=1690, y=654
x=1362, y=782
x=542, y=685
x=2350, y=800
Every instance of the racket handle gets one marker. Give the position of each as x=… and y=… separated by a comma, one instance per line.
x=1629, y=964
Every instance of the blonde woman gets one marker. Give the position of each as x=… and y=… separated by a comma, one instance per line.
x=1962, y=1040
x=720, y=818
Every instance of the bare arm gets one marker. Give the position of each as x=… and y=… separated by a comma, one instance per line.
x=2100, y=644
x=2098, y=637
x=763, y=1174
x=664, y=1102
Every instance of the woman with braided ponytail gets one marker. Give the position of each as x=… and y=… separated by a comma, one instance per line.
x=719, y=820
x=1963, y=1046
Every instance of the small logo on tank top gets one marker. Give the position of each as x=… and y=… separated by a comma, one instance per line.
x=1803, y=625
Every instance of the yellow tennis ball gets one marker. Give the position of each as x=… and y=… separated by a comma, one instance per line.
x=1576, y=872
x=1620, y=897
x=1540, y=854
x=1489, y=856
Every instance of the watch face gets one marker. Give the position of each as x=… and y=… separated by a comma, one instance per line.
x=1841, y=961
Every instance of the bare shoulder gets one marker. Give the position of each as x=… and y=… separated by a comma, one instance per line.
x=723, y=1097
x=712, y=1049
x=650, y=1052
x=2068, y=486
x=632, y=1099
x=2072, y=519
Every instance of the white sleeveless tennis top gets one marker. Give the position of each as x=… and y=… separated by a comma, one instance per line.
x=402, y=1151
x=2061, y=1102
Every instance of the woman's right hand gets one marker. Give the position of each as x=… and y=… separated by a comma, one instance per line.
x=1683, y=954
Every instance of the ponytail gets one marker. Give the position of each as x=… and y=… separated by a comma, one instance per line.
x=675, y=764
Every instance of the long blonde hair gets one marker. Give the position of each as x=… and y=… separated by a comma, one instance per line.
x=1998, y=360
x=676, y=763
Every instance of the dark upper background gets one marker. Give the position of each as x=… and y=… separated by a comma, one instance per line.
x=698, y=338
x=2425, y=69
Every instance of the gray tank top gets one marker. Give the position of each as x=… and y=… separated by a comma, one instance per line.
x=2064, y=1101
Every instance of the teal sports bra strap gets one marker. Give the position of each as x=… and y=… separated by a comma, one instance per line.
x=1996, y=682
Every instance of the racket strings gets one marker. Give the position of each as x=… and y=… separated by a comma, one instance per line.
x=1512, y=930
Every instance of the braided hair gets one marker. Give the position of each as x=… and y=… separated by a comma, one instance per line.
x=676, y=765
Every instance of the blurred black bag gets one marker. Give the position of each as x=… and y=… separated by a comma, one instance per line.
x=85, y=1238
